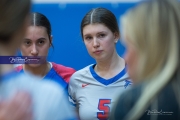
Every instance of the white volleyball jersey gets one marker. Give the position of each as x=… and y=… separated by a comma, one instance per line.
x=93, y=95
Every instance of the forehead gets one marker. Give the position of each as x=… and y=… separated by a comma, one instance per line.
x=95, y=28
x=36, y=31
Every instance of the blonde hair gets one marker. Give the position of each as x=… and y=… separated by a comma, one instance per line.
x=153, y=28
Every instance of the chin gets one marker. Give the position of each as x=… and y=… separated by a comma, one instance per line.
x=99, y=58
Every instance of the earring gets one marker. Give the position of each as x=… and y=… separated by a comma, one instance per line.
x=116, y=41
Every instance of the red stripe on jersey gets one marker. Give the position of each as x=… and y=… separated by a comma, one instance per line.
x=18, y=68
x=63, y=71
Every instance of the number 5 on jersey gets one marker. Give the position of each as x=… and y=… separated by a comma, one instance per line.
x=103, y=106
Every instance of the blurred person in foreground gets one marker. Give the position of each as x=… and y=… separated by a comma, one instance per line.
x=24, y=97
x=152, y=36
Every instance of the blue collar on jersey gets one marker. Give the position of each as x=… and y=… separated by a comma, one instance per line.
x=106, y=81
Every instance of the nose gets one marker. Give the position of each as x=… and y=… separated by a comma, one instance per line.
x=96, y=43
x=34, y=50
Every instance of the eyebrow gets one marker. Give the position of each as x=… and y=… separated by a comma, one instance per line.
x=88, y=34
x=42, y=38
x=102, y=32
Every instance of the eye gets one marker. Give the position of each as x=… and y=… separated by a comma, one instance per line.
x=41, y=42
x=27, y=43
x=88, y=38
x=101, y=35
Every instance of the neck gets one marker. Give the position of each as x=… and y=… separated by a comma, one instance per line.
x=109, y=64
x=110, y=67
x=40, y=71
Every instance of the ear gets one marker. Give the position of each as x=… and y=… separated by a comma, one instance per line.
x=116, y=37
x=51, y=39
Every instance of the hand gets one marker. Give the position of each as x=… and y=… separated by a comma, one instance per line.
x=16, y=108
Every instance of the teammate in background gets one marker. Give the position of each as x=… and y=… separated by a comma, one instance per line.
x=37, y=41
x=24, y=97
x=152, y=35
x=94, y=88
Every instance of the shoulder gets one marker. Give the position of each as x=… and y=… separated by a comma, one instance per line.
x=63, y=71
x=80, y=76
x=61, y=68
x=82, y=72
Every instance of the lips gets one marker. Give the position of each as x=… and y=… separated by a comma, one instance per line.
x=97, y=51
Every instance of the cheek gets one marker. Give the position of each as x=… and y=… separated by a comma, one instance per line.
x=131, y=56
x=88, y=47
x=131, y=60
x=24, y=50
x=44, y=50
x=128, y=57
x=108, y=45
